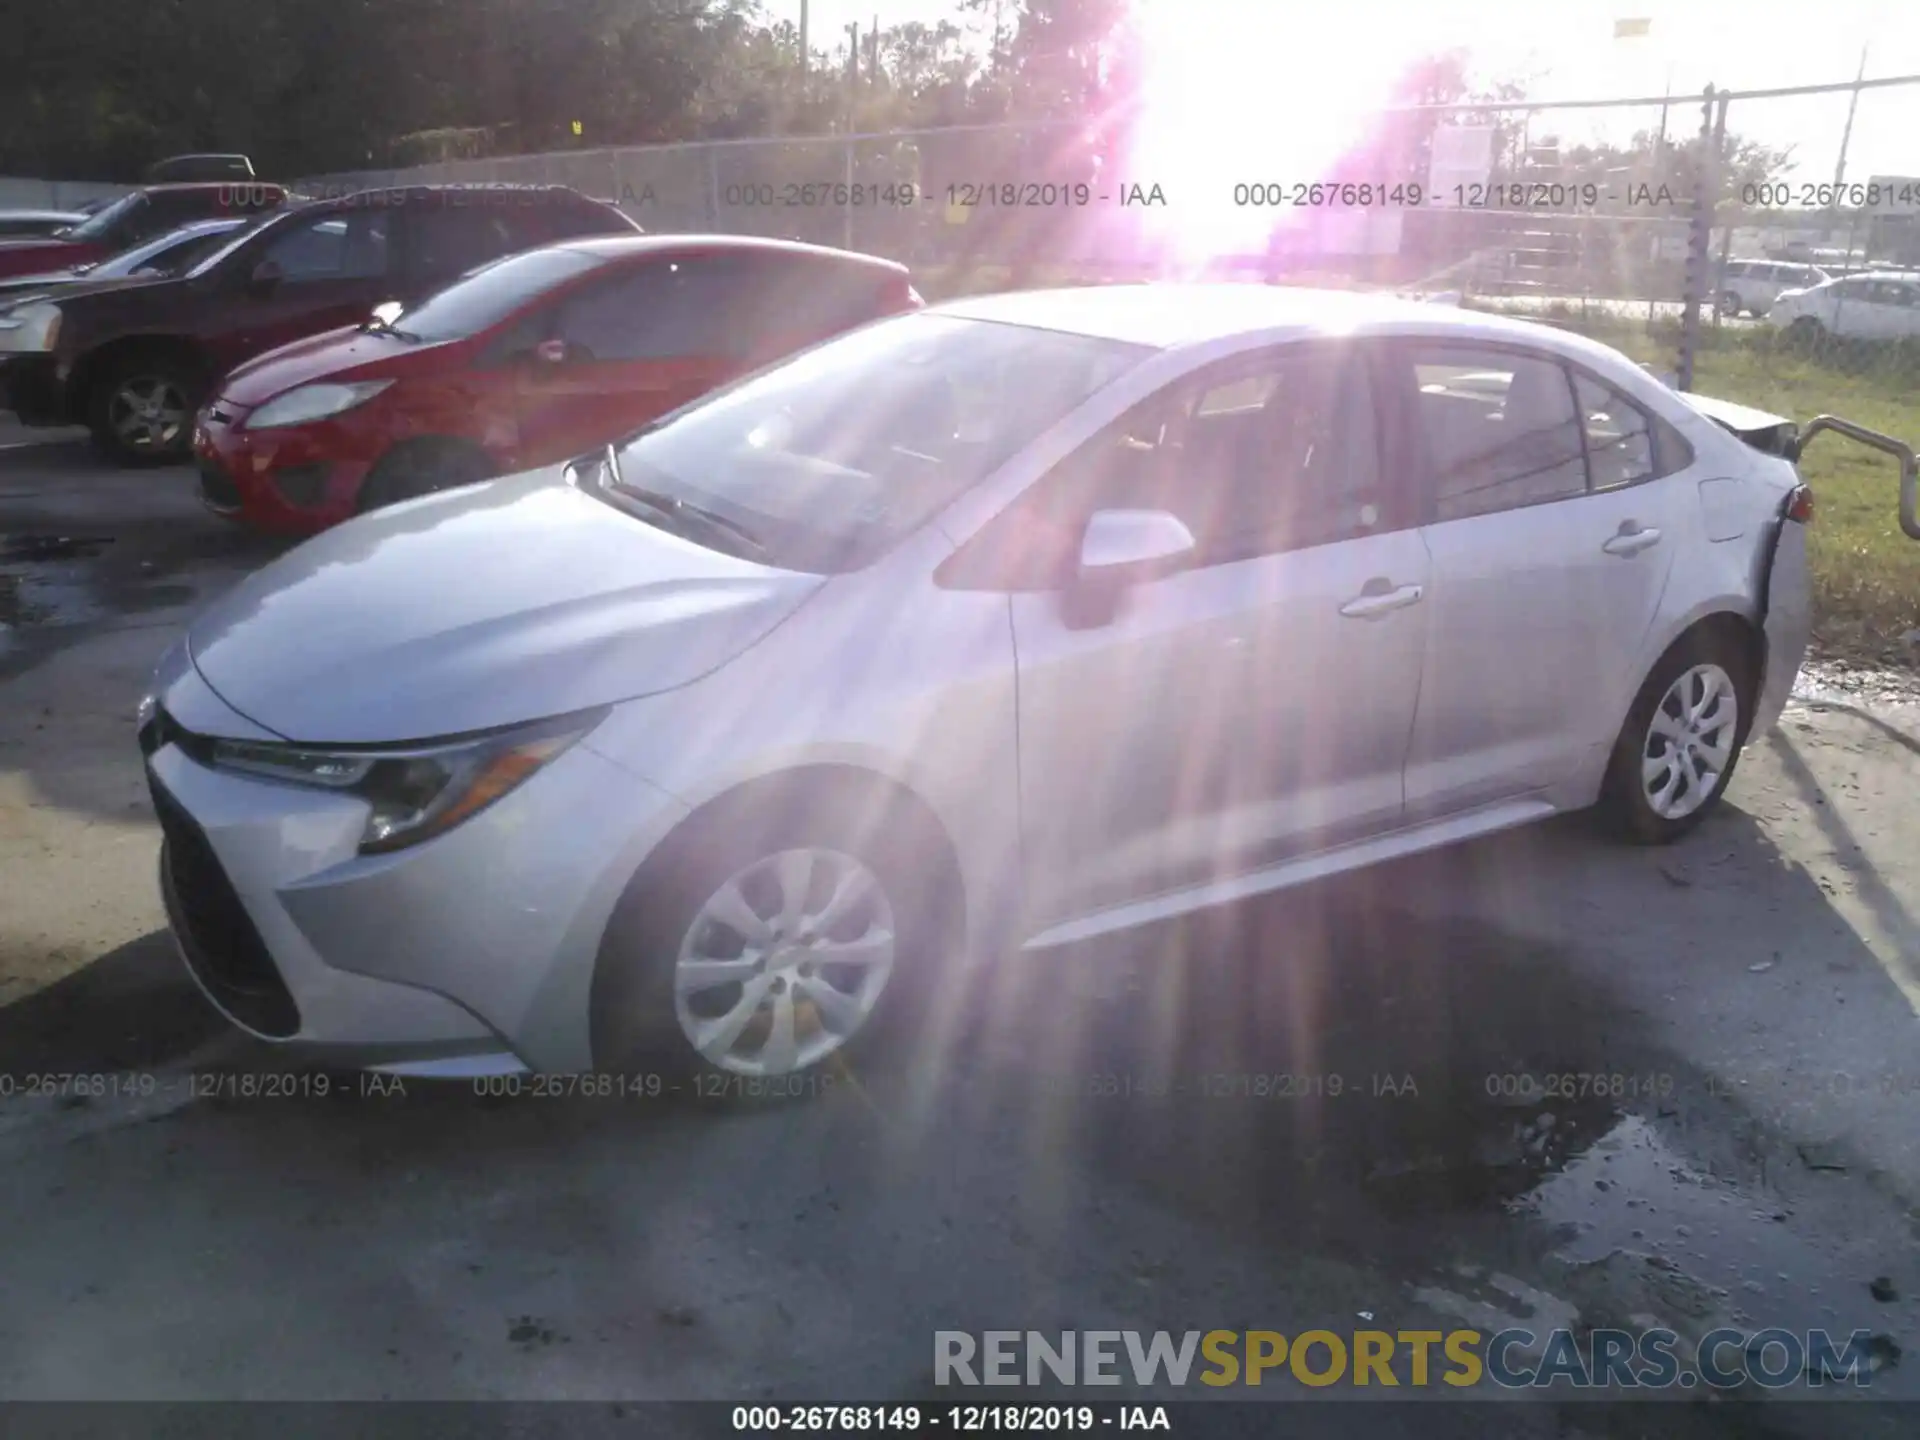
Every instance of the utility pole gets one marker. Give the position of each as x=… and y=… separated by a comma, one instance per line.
x=1846, y=135
x=803, y=39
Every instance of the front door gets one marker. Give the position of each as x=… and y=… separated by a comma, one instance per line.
x=309, y=276
x=1256, y=704
x=625, y=349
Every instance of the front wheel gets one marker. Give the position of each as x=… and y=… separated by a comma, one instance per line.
x=1676, y=753
x=762, y=952
x=140, y=410
x=1805, y=329
x=1729, y=305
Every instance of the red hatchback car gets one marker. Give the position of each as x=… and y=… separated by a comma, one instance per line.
x=527, y=361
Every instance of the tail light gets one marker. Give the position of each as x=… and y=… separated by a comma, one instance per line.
x=1800, y=505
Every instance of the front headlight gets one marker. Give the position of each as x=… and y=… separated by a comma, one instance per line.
x=29, y=326
x=314, y=402
x=416, y=792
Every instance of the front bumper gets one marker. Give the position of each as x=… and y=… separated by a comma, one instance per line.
x=295, y=480
x=30, y=387
x=473, y=951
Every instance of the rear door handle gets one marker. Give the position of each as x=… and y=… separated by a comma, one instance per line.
x=1631, y=541
x=1377, y=600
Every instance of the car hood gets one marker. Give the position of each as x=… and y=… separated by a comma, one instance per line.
x=64, y=286
x=502, y=602
x=327, y=356
x=26, y=256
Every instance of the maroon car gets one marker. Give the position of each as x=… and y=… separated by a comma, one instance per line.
x=531, y=360
x=134, y=361
x=134, y=217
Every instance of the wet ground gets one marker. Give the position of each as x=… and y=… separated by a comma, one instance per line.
x=1536, y=1081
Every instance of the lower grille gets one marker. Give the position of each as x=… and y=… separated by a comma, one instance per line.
x=217, y=487
x=301, y=485
x=222, y=947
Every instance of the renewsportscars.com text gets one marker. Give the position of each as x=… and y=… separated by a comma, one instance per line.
x=1512, y=1359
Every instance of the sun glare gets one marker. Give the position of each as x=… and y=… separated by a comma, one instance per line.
x=1242, y=92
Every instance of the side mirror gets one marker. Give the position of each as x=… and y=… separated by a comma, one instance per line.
x=264, y=277
x=550, y=352
x=1124, y=547
x=1118, y=549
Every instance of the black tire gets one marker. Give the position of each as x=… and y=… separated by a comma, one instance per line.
x=1729, y=305
x=1806, y=330
x=415, y=468
x=1625, y=806
x=636, y=1024
x=167, y=386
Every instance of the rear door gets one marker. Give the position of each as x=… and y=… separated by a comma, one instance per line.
x=632, y=345
x=1551, y=535
x=316, y=272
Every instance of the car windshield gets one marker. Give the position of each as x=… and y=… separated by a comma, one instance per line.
x=829, y=459
x=98, y=225
x=169, y=255
x=225, y=245
x=486, y=296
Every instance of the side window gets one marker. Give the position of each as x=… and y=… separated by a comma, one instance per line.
x=1619, y=434
x=1254, y=460
x=1499, y=429
x=448, y=239
x=664, y=310
x=341, y=245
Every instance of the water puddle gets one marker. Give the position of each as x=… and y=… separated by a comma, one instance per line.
x=1650, y=1239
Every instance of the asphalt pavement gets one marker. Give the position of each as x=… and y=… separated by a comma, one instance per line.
x=1540, y=1079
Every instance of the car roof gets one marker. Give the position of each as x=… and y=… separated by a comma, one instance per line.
x=623, y=247
x=1168, y=316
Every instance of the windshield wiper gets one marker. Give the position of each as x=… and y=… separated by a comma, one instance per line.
x=677, y=511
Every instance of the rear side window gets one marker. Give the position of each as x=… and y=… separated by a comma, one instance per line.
x=342, y=245
x=570, y=217
x=1499, y=430
x=448, y=238
x=700, y=306
x=1619, y=435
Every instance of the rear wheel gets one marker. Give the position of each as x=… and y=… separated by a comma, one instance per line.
x=422, y=467
x=140, y=408
x=1676, y=753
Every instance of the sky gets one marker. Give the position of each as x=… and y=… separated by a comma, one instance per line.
x=1240, y=60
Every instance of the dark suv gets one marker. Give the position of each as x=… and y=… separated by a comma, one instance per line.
x=132, y=362
x=137, y=216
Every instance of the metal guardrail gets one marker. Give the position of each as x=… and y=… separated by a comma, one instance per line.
x=1909, y=465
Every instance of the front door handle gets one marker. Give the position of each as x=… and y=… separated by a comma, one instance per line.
x=1631, y=540
x=1379, y=598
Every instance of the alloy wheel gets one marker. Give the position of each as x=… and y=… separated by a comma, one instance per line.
x=785, y=962
x=1690, y=741
x=148, y=413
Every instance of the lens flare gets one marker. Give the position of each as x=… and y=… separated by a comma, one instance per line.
x=1244, y=92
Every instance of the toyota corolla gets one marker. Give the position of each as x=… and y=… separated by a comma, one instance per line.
x=1012, y=622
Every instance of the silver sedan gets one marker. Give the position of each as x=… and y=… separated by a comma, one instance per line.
x=1014, y=622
